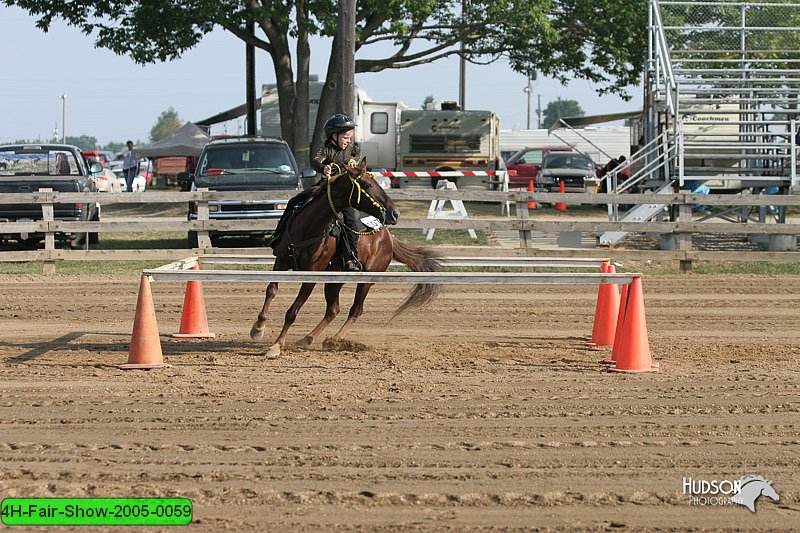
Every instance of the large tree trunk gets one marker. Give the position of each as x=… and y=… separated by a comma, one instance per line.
x=300, y=126
x=284, y=76
x=327, y=102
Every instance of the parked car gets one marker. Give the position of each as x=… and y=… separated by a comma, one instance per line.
x=575, y=169
x=139, y=182
x=528, y=163
x=244, y=164
x=26, y=168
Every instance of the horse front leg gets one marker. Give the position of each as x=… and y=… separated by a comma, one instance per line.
x=331, y=310
x=291, y=314
x=355, y=311
x=257, y=331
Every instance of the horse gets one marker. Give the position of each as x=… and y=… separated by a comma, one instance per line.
x=309, y=243
x=751, y=488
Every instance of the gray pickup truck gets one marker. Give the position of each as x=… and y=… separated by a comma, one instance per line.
x=26, y=168
x=244, y=164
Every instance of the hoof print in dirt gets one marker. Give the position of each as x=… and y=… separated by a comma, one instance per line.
x=343, y=345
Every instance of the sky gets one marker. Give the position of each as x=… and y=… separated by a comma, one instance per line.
x=113, y=99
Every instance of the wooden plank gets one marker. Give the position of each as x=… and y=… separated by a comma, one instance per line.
x=461, y=278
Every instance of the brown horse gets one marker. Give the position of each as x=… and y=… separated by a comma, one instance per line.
x=308, y=244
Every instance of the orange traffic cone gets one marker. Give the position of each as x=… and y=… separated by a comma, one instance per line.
x=634, y=352
x=145, y=351
x=623, y=301
x=561, y=206
x=603, y=269
x=605, y=320
x=531, y=204
x=194, y=322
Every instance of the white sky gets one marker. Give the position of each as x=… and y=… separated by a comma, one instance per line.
x=114, y=99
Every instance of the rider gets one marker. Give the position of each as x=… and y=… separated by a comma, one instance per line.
x=339, y=148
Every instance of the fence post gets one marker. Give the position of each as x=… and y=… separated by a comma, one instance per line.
x=684, y=239
x=522, y=214
x=49, y=265
x=203, y=239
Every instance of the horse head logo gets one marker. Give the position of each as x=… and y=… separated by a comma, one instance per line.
x=751, y=488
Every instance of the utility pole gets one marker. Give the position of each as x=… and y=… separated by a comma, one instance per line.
x=250, y=82
x=346, y=57
x=528, y=90
x=462, y=65
x=63, y=98
x=539, y=111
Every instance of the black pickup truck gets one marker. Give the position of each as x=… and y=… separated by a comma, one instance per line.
x=244, y=164
x=26, y=168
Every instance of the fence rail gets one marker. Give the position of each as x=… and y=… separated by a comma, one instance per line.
x=522, y=223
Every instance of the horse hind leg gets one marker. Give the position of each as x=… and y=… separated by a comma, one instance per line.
x=331, y=310
x=355, y=311
x=257, y=331
x=291, y=314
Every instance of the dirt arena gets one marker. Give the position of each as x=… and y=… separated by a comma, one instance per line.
x=480, y=412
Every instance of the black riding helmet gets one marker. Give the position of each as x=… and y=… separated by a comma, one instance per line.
x=338, y=123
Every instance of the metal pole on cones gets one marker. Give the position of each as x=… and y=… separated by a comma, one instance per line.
x=194, y=322
x=634, y=353
x=623, y=303
x=145, y=351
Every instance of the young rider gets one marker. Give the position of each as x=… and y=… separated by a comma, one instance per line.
x=340, y=149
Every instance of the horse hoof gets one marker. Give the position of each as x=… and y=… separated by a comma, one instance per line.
x=273, y=352
x=305, y=342
x=256, y=334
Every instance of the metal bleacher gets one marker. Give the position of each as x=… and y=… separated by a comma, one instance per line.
x=723, y=85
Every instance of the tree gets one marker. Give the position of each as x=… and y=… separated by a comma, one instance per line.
x=559, y=38
x=84, y=142
x=561, y=108
x=167, y=124
x=428, y=100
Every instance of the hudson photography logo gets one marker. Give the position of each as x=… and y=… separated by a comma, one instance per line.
x=743, y=491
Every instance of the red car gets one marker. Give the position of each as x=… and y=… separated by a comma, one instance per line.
x=528, y=163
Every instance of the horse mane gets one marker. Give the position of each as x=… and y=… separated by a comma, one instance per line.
x=749, y=479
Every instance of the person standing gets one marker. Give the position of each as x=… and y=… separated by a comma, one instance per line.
x=129, y=165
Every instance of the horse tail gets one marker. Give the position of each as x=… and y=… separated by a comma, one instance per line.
x=418, y=259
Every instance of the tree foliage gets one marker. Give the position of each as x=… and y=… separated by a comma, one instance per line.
x=559, y=109
x=602, y=41
x=166, y=124
x=84, y=142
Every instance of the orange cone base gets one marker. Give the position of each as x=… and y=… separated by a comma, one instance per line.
x=142, y=366
x=194, y=335
x=598, y=348
x=653, y=368
x=608, y=361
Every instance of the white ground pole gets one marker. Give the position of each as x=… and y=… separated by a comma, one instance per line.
x=181, y=271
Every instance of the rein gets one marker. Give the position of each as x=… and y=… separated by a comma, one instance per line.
x=354, y=186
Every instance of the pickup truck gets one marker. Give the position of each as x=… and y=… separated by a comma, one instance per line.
x=26, y=168
x=244, y=164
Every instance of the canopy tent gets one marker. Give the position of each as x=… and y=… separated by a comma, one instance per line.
x=187, y=142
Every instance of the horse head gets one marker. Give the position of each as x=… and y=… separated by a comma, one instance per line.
x=353, y=186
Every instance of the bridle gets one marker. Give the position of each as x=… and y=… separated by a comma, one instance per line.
x=357, y=190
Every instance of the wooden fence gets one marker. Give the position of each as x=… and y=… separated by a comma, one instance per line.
x=682, y=229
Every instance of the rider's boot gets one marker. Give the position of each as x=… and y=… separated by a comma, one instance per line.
x=351, y=263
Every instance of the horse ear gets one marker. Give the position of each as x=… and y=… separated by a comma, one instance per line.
x=363, y=166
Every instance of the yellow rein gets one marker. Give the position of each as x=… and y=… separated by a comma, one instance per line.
x=355, y=185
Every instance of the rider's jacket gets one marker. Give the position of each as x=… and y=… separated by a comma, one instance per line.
x=330, y=153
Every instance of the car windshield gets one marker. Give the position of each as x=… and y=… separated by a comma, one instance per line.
x=568, y=161
x=233, y=159
x=37, y=160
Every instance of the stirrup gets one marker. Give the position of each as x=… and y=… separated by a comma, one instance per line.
x=351, y=265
